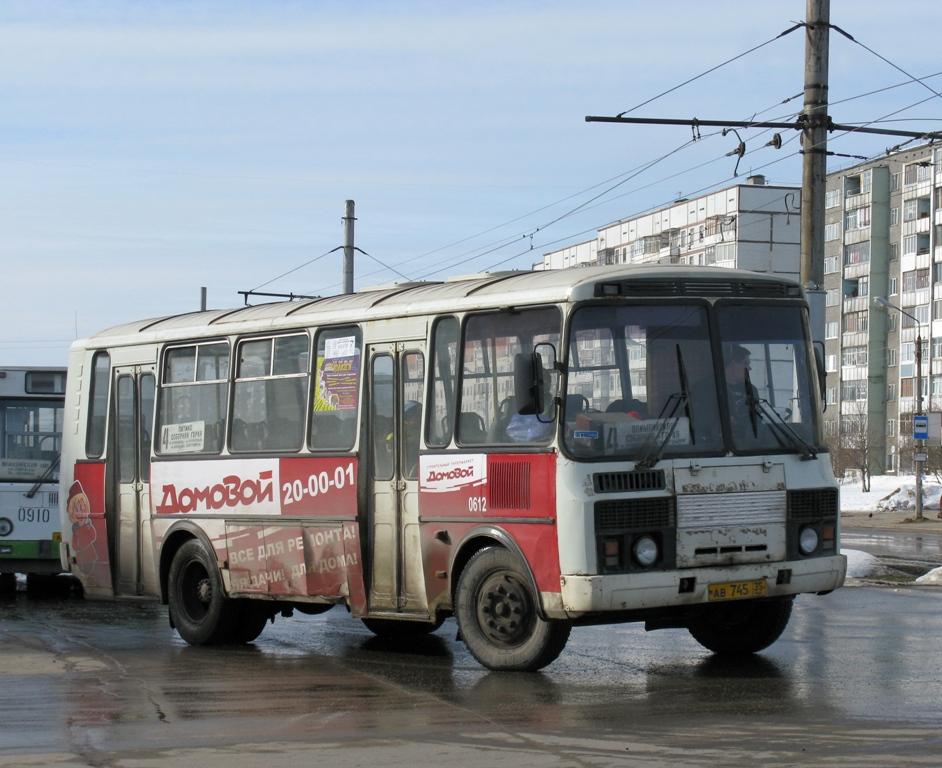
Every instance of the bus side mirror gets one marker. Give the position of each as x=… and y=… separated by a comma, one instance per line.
x=822, y=371
x=528, y=383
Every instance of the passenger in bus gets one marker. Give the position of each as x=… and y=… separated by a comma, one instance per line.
x=528, y=428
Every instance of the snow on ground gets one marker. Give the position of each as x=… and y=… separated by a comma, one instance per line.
x=860, y=564
x=933, y=577
x=891, y=493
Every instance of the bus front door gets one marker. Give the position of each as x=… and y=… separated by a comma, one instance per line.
x=397, y=582
x=132, y=560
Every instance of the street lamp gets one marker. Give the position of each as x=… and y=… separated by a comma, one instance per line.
x=919, y=456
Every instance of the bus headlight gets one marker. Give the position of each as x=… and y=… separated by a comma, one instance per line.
x=6, y=526
x=807, y=540
x=645, y=551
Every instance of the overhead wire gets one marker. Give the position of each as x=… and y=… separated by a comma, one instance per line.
x=711, y=69
x=588, y=204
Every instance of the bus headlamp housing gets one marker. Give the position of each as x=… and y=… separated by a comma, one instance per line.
x=6, y=526
x=808, y=540
x=645, y=550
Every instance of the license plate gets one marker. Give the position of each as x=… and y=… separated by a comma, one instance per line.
x=737, y=590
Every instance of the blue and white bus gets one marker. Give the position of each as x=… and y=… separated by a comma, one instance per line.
x=31, y=404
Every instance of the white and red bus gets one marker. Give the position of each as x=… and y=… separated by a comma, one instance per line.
x=524, y=451
x=30, y=435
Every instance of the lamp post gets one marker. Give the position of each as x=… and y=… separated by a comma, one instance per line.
x=920, y=452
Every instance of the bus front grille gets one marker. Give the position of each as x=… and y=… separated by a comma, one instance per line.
x=634, y=514
x=638, y=480
x=812, y=504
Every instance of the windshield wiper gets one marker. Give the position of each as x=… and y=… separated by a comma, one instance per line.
x=781, y=427
x=43, y=477
x=669, y=411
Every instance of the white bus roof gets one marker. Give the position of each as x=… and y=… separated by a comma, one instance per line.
x=455, y=295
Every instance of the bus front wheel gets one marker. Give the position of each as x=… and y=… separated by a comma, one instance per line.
x=732, y=629
x=498, y=617
x=199, y=608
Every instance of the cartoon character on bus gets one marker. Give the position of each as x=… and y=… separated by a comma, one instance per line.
x=89, y=549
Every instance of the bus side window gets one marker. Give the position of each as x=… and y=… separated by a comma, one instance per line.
x=98, y=405
x=490, y=345
x=336, y=389
x=443, y=364
x=194, y=394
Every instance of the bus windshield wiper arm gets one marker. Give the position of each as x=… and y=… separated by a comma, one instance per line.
x=774, y=419
x=669, y=412
x=43, y=477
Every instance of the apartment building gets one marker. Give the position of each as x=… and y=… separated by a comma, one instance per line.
x=883, y=237
x=751, y=226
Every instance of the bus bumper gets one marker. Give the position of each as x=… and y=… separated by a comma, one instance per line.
x=638, y=591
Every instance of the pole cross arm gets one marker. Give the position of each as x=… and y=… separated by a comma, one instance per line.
x=803, y=123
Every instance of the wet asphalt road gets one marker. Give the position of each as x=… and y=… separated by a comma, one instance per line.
x=855, y=680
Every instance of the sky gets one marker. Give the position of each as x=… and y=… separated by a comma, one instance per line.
x=151, y=148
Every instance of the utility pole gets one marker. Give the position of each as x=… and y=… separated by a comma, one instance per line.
x=814, y=139
x=348, y=220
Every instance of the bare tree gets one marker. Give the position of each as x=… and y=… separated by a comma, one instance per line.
x=857, y=443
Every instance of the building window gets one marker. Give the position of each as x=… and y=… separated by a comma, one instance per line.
x=831, y=396
x=894, y=216
x=905, y=387
x=832, y=198
x=855, y=322
x=830, y=330
x=894, y=286
x=909, y=209
x=830, y=265
x=832, y=298
x=894, y=251
x=891, y=427
x=858, y=218
x=831, y=363
x=854, y=390
x=854, y=356
x=858, y=253
x=890, y=358
x=832, y=231
x=890, y=391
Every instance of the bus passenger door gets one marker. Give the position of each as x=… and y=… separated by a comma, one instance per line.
x=132, y=557
x=397, y=582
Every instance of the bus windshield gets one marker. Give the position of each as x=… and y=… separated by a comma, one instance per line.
x=30, y=439
x=767, y=377
x=641, y=382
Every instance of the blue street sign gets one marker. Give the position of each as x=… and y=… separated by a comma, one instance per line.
x=920, y=427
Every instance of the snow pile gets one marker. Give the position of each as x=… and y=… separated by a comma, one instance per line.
x=933, y=577
x=904, y=498
x=860, y=564
x=891, y=493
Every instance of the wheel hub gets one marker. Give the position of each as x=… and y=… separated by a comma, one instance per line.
x=504, y=610
x=204, y=591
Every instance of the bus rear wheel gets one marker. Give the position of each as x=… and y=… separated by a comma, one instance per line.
x=498, y=615
x=739, y=629
x=199, y=608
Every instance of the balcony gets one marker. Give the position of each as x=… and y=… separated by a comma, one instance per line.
x=859, y=200
x=858, y=235
x=857, y=270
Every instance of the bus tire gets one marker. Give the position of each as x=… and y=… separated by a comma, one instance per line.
x=498, y=615
x=395, y=629
x=739, y=629
x=199, y=608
